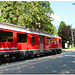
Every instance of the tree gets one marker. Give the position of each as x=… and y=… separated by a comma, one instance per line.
x=11, y=11
x=65, y=34
x=0, y=10
x=33, y=14
x=62, y=24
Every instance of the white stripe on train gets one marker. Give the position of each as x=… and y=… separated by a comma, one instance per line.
x=30, y=50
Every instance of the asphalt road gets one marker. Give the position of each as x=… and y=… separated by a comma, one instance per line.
x=63, y=63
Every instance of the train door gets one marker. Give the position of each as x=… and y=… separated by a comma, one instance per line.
x=41, y=43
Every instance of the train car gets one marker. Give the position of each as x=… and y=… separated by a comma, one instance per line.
x=19, y=41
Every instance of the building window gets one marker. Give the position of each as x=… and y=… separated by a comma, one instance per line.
x=48, y=40
x=54, y=41
x=21, y=37
x=6, y=36
x=32, y=38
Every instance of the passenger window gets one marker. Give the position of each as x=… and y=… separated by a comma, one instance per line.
x=21, y=37
x=48, y=40
x=6, y=36
x=32, y=38
x=54, y=41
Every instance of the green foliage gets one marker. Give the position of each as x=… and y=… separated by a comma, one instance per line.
x=33, y=14
x=62, y=24
x=65, y=34
x=1, y=3
x=0, y=18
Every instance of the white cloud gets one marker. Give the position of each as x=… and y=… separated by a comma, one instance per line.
x=56, y=21
x=55, y=17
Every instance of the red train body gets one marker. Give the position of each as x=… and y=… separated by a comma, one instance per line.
x=18, y=40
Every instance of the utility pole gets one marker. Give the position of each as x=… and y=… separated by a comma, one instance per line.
x=72, y=38
x=73, y=35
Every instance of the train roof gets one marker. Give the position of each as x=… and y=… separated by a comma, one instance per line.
x=26, y=30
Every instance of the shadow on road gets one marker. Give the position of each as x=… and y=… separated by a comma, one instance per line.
x=54, y=64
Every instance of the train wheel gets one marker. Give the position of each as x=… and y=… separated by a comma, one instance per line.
x=35, y=55
x=17, y=57
x=54, y=52
x=60, y=51
x=32, y=56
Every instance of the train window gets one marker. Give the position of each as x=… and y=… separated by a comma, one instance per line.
x=48, y=40
x=60, y=41
x=6, y=36
x=32, y=38
x=54, y=41
x=21, y=37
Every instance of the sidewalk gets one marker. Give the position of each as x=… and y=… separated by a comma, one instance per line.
x=69, y=49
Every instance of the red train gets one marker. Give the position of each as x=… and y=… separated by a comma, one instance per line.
x=19, y=41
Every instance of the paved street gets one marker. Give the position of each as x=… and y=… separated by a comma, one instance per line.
x=63, y=63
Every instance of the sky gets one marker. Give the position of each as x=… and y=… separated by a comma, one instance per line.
x=63, y=11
